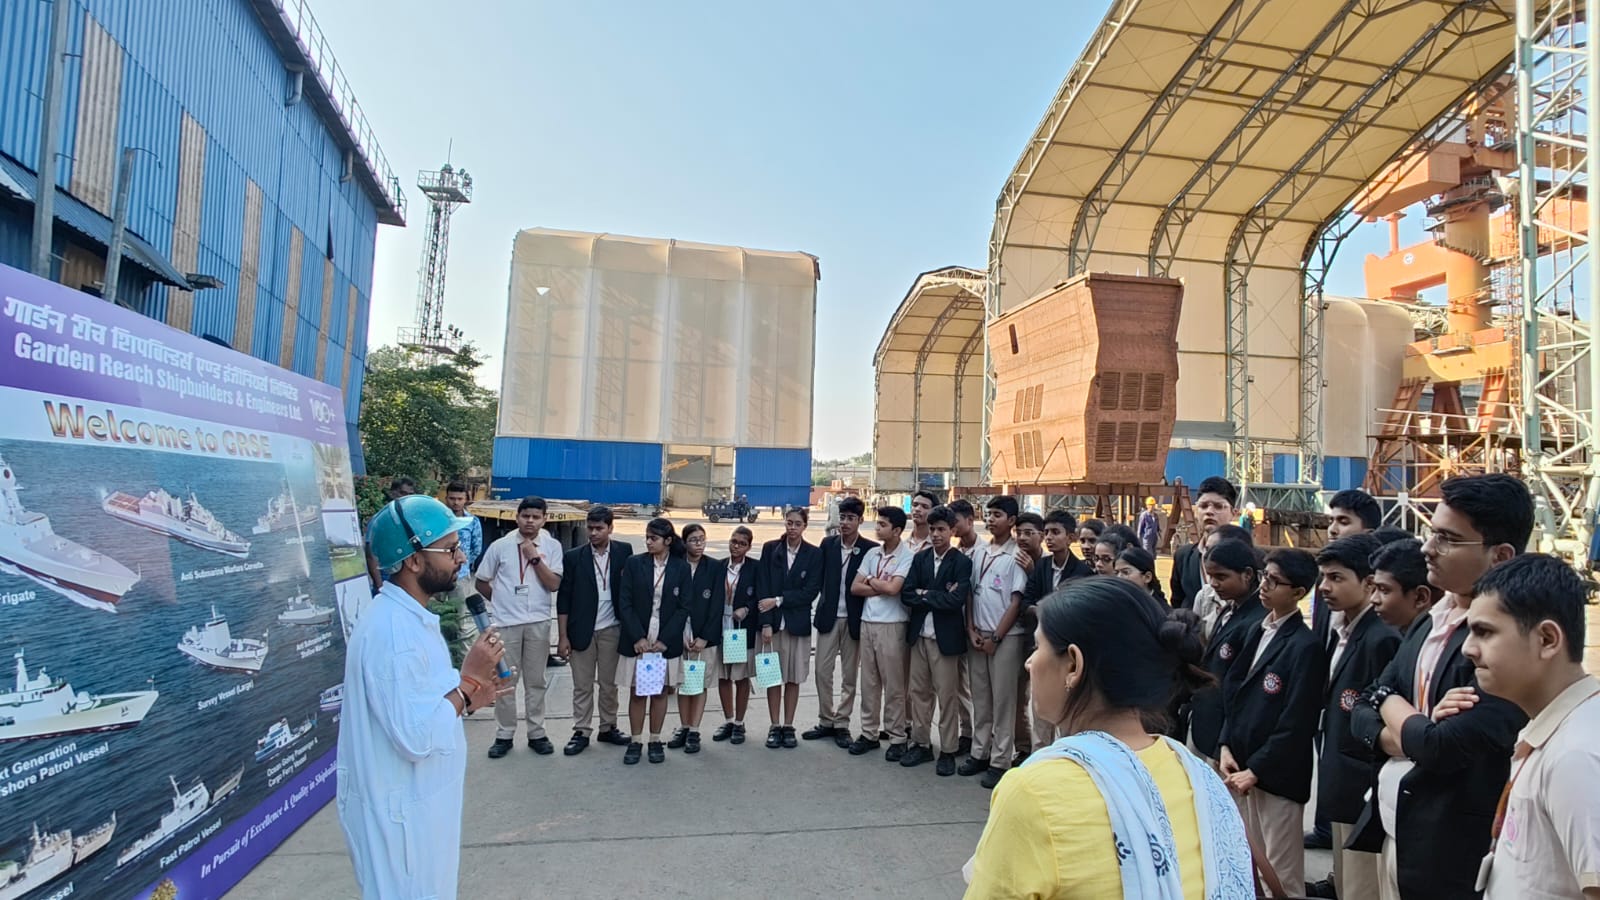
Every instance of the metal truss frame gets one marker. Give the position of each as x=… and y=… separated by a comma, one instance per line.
x=1557, y=68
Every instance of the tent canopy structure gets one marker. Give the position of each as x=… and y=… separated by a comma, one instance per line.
x=1221, y=142
x=927, y=420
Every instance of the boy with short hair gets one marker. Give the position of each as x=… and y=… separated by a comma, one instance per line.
x=1056, y=566
x=1213, y=507
x=883, y=647
x=994, y=657
x=842, y=554
x=1272, y=706
x=1030, y=544
x=1359, y=646
x=1401, y=593
x=964, y=537
x=922, y=503
x=935, y=594
x=519, y=576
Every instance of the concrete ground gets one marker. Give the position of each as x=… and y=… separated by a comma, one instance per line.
x=808, y=822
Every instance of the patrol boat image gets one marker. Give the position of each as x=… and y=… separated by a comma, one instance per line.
x=184, y=519
x=302, y=610
x=43, y=706
x=50, y=855
x=30, y=547
x=332, y=698
x=214, y=645
x=279, y=736
x=283, y=513
x=187, y=806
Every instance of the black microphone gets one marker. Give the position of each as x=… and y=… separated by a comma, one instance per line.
x=480, y=616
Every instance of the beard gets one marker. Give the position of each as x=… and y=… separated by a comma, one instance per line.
x=434, y=582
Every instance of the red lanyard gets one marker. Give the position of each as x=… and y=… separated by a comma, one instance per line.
x=885, y=564
x=661, y=574
x=522, y=568
x=602, y=571
x=989, y=561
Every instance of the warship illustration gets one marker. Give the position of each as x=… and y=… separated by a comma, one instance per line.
x=332, y=698
x=43, y=706
x=51, y=855
x=302, y=610
x=30, y=548
x=282, y=512
x=280, y=736
x=214, y=645
x=187, y=806
x=183, y=519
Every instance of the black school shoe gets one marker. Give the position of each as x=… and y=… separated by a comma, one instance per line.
x=723, y=732
x=500, y=747
x=578, y=744
x=964, y=746
x=631, y=757
x=775, y=737
x=614, y=737
x=789, y=743
x=738, y=735
x=916, y=756
x=991, y=778
x=947, y=764
x=863, y=745
x=679, y=738
x=658, y=753
x=691, y=742
x=841, y=739
x=541, y=746
x=970, y=766
x=818, y=732
x=895, y=753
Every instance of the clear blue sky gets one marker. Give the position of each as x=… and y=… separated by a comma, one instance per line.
x=875, y=135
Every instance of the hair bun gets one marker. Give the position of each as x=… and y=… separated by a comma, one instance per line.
x=1179, y=635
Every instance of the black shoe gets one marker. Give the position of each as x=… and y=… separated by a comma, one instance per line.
x=970, y=766
x=578, y=744
x=1323, y=888
x=723, y=732
x=1316, y=841
x=991, y=778
x=916, y=756
x=789, y=743
x=679, y=738
x=500, y=747
x=738, y=735
x=883, y=735
x=691, y=742
x=861, y=746
x=614, y=737
x=841, y=739
x=1019, y=759
x=555, y=662
x=895, y=753
x=964, y=746
x=658, y=753
x=947, y=764
x=541, y=746
x=775, y=737
x=631, y=757
x=819, y=732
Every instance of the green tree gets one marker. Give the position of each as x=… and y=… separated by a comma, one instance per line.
x=426, y=418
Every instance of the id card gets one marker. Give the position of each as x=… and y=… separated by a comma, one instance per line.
x=522, y=590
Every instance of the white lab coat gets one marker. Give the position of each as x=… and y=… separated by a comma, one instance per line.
x=402, y=753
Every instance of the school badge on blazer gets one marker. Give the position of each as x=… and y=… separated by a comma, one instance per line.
x=1348, y=698
x=1272, y=683
x=674, y=592
x=705, y=594
x=1226, y=652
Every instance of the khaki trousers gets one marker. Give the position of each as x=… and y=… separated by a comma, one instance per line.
x=1022, y=724
x=935, y=678
x=1388, y=872
x=994, y=701
x=1355, y=874
x=1279, y=825
x=596, y=663
x=883, y=680
x=527, y=650
x=837, y=644
x=964, y=697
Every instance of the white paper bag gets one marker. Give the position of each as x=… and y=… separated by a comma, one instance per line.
x=734, y=648
x=649, y=675
x=694, y=678
x=769, y=674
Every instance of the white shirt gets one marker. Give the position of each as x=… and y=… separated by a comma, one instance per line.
x=995, y=577
x=730, y=593
x=916, y=544
x=518, y=596
x=1550, y=844
x=1269, y=630
x=402, y=752
x=927, y=620
x=1447, y=615
x=845, y=552
x=605, y=614
x=1336, y=621
x=886, y=609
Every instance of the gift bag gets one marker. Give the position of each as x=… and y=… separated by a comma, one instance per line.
x=649, y=675
x=734, y=649
x=768, y=673
x=694, y=678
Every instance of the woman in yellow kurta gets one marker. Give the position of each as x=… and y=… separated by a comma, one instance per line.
x=1111, y=810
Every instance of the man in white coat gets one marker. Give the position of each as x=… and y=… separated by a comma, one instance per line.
x=402, y=750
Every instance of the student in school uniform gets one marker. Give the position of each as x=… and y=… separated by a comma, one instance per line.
x=702, y=633
x=965, y=538
x=995, y=644
x=653, y=607
x=1137, y=565
x=1055, y=568
x=1233, y=569
x=838, y=625
x=1106, y=550
x=1359, y=646
x=1213, y=507
x=590, y=631
x=916, y=535
x=1088, y=534
x=741, y=576
x=791, y=572
x=1401, y=593
x=1030, y=546
x=883, y=647
x=1273, y=698
x=519, y=576
x=936, y=593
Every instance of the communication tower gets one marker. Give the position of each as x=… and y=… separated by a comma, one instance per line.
x=445, y=189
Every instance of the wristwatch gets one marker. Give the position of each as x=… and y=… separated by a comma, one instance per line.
x=1377, y=695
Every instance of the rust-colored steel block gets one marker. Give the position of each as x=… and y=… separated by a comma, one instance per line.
x=1086, y=379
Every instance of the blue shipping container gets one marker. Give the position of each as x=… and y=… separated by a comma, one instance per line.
x=1195, y=466
x=1341, y=472
x=773, y=477
x=601, y=471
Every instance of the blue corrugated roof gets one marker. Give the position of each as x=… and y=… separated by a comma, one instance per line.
x=10, y=184
x=74, y=214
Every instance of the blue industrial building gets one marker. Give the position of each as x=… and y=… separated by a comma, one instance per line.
x=254, y=170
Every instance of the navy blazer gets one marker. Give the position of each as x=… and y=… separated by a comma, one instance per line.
x=1226, y=647
x=945, y=597
x=1042, y=583
x=1448, y=799
x=798, y=585
x=578, y=597
x=1187, y=578
x=832, y=570
x=746, y=594
x=1346, y=767
x=1272, y=708
x=709, y=587
x=637, y=596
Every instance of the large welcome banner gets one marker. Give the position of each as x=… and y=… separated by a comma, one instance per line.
x=180, y=564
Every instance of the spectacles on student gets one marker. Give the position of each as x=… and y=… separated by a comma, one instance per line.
x=1269, y=583
x=1447, y=544
x=1108, y=560
x=697, y=539
x=451, y=550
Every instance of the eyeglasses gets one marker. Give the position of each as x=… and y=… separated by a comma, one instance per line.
x=1269, y=583
x=697, y=539
x=1446, y=544
x=451, y=550
x=1108, y=560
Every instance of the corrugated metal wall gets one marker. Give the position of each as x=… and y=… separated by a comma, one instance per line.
x=602, y=471
x=773, y=477
x=1195, y=466
x=211, y=60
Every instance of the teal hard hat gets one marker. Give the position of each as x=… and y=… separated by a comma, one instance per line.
x=407, y=525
